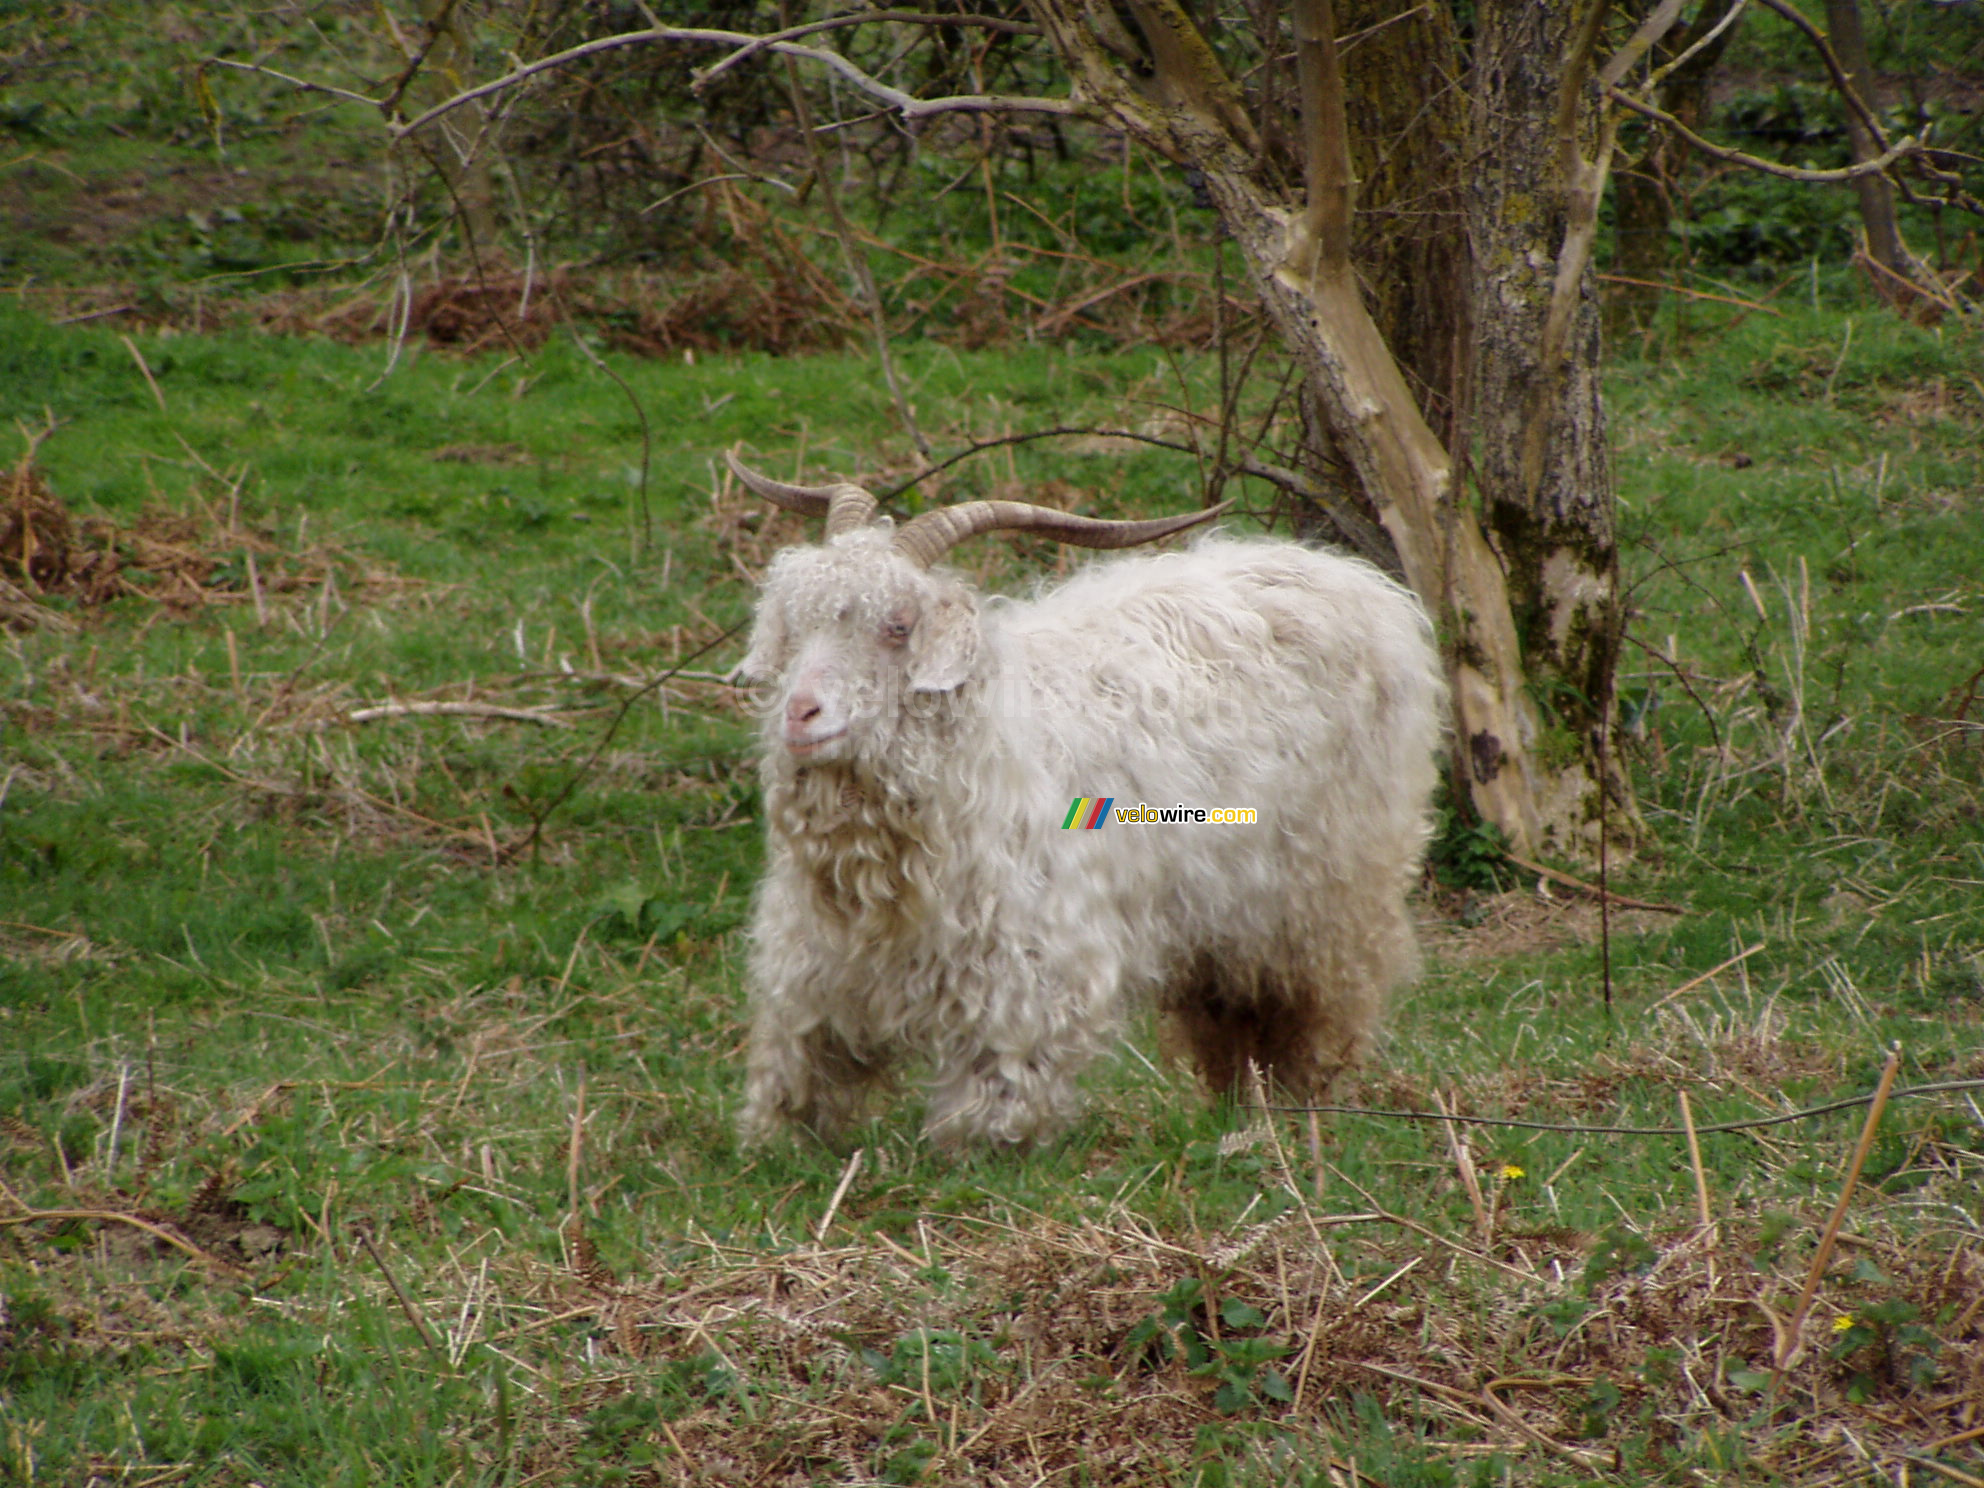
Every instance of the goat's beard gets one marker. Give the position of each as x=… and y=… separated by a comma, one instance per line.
x=859, y=845
x=857, y=826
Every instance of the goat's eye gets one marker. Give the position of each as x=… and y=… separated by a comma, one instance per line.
x=896, y=629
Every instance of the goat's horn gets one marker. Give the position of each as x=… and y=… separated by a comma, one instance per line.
x=845, y=506
x=927, y=538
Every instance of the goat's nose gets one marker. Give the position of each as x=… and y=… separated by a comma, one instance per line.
x=803, y=708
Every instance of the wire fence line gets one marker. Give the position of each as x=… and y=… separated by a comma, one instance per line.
x=1940, y=1087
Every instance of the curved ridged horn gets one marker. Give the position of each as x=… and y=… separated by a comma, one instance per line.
x=845, y=506
x=927, y=538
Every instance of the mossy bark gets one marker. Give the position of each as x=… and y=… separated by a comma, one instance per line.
x=1550, y=519
x=1409, y=146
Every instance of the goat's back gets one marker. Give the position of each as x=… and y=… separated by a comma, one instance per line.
x=1252, y=674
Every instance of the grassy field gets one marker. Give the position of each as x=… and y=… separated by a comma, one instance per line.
x=377, y=831
x=366, y=1079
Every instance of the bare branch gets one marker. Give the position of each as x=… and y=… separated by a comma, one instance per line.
x=1841, y=79
x=1706, y=39
x=425, y=709
x=862, y=18
x=1655, y=26
x=1326, y=141
x=1906, y=148
x=1576, y=73
x=906, y=105
x=296, y=82
x=1345, y=43
x=857, y=262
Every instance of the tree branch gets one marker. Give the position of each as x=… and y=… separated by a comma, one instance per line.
x=1906, y=148
x=1327, y=172
x=1706, y=39
x=295, y=82
x=427, y=709
x=1655, y=26
x=1841, y=79
x=857, y=261
x=1572, y=83
x=1187, y=70
x=907, y=105
x=861, y=18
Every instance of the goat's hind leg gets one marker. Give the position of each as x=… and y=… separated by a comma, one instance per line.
x=1300, y=1026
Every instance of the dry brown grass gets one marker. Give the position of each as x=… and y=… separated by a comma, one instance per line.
x=183, y=558
x=1037, y=1377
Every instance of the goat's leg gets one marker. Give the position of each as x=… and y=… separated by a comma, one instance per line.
x=811, y=1078
x=987, y=1095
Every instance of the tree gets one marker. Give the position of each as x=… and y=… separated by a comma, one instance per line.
x=1450, y=359
x=1643, y=198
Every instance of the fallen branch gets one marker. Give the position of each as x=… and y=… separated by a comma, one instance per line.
x=1556, y=876
x=1506, y=1413
x=453, y=710
x=1694, y=982
x=1693, y=294
x=413, y=1314
x=1790, y=1343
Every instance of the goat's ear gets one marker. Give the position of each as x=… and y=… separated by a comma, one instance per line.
x=944, y=646
x=766, y=659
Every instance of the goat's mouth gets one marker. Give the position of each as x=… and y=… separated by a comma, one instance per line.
x=801, y=748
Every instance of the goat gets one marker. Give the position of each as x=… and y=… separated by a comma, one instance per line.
x=922, y=747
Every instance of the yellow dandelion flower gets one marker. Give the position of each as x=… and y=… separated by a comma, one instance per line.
x=1510, y=1172
x=1841, y=1323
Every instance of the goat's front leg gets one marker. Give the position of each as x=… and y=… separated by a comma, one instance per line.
x=1005, y=1098
x=810, y=1078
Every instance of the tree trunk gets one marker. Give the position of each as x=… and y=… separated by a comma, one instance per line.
x=1876, y=192
x=1409, y=235
x=1537, y=446
x=1409, y=148
x=1302, y=270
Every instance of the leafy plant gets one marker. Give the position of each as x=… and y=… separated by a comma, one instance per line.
x=1467, y=854
x=1237, y=1357
x=1619, y=1252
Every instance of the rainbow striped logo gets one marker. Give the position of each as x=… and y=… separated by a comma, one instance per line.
x=1088, y=813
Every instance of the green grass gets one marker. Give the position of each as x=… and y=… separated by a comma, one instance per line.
x=440, y=1018
x=273, y=978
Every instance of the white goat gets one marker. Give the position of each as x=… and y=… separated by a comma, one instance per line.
x=924, y=745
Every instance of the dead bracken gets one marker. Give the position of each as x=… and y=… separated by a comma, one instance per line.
x=56, y=564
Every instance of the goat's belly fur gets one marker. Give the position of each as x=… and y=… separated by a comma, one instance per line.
x=930, y=907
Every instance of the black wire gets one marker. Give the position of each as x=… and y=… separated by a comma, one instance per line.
x=1640, y=1131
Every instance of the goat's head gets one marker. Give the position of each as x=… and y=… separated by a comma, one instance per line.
x=852, y=633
